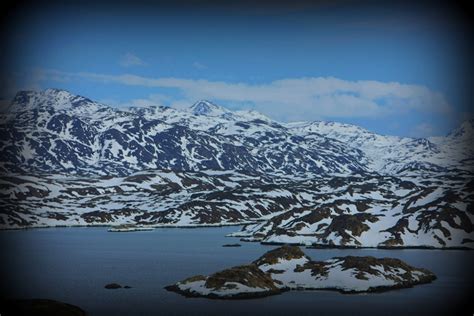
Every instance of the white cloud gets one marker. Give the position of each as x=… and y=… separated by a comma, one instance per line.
x=423, y=130
x=199, y=66
x=130, y=59
x=11, y=83
x=154, y=99
x=294, y=99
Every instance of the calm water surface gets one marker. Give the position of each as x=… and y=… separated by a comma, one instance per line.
x=74, y=264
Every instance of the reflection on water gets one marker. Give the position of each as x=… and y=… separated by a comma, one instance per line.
x=74, y=264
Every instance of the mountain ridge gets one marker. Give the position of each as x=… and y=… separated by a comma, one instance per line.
x=89, y=137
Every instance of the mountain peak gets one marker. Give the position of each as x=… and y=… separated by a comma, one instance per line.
x=57, y=98
x=205, y=107
x=466, y=130
x=56, y=91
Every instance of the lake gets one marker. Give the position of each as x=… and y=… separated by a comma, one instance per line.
x=73, y=265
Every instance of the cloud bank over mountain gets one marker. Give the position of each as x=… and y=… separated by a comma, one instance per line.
x=290, y=99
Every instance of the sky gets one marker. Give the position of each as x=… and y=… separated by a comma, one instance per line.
x=393, y=69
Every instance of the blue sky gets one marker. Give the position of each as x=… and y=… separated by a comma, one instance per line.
x=391, y=69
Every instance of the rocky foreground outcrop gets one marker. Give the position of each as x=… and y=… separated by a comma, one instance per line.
x=289, y=268
x=39, y=307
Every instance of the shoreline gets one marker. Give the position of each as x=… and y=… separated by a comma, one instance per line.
x=155, y=226
x=197, y=226
x=323, y=246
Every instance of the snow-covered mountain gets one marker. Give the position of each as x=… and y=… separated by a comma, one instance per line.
x=208, y=108
x=56, y=131
x=67, y=160
x=67, y=133
x=392, y=154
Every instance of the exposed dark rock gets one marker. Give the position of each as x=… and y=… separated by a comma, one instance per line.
x=317, y=268
x=285, y=252
x=353, y=223
x=39, y=307
x=248, y=275
x=367, y=264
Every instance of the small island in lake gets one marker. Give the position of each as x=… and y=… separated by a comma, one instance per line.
x=289, y=268
x=114, y=286
x=129, y=228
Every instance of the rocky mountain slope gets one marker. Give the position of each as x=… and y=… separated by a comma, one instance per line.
x=377, y=212
x=56, y=131
x=371, y=211
x=67, y=160
x=392, y=154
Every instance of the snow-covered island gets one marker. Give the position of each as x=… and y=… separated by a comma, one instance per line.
x=289, y=268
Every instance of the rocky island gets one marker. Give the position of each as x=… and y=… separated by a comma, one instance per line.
x=289, y=268
x=129, y=228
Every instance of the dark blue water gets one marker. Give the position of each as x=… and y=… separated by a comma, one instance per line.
x=74, y=264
